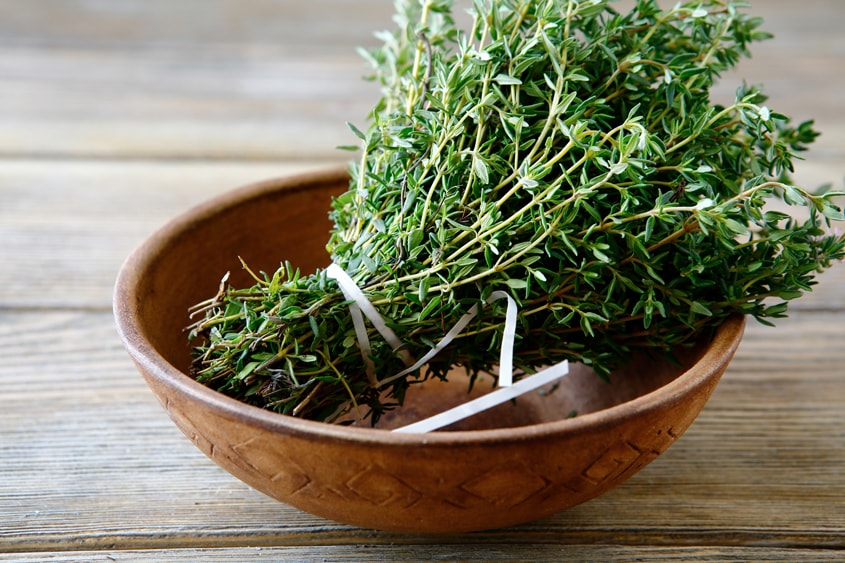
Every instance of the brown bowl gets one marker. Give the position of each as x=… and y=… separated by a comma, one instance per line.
x=517, y=463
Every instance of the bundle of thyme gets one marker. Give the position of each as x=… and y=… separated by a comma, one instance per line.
x=558, y=150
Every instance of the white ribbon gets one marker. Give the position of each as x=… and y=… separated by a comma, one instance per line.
x=505, y=353
x=360, y=306
x=487, y=401
x=360, y=303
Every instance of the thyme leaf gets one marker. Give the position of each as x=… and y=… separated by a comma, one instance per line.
x=558, y=150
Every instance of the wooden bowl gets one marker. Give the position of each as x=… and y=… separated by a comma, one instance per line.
x=518, y=463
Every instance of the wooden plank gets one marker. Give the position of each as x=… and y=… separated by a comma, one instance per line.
x=329, y=23
x=67, y=226
x=270, y=80
x=321, y=25
x=253, y=107
x=90, y=460
x=436, y=552
x=220, y=79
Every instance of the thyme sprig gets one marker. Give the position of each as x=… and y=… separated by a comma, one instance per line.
x=559, y=150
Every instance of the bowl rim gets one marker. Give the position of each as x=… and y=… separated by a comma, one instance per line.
x=718, y=353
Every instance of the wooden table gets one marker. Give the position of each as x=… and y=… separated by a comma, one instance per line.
x=117, y=115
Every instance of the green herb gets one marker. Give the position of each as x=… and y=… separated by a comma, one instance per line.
x=560, y=151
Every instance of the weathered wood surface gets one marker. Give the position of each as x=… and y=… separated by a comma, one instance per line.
x=115, y=116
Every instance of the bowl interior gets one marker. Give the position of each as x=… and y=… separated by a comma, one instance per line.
x=265, y=224
x=580, y=392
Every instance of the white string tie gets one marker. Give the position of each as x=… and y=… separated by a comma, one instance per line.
x=490, y=400
x=360, y=306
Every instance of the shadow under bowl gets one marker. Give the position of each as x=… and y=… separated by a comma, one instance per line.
x=516, y=463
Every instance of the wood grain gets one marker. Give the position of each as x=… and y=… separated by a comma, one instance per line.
x=117, y=115
x=214, y=79
x=275, y=79
x=95, y=462
x=487, y=552
x=67, y=226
